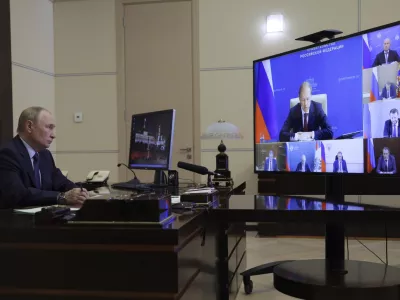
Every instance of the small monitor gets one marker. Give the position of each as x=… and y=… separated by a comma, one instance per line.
x=152, y=137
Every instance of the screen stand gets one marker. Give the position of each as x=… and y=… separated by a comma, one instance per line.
x=334, y=231
x=159, y=177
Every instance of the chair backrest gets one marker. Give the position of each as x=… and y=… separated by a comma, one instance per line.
x=320, y=98
x=65, y=173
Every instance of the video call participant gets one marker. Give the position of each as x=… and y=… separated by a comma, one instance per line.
x=339, y=165
x=270, y=162
x=389, y=91
x=306, y=120
x=28, y=174
x=303, y=165
x=386, y=163
x=391, y=128
x=387, y=56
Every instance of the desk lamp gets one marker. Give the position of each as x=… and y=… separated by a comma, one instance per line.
x=222, y=130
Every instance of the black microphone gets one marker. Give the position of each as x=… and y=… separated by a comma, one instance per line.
x=196, y=169
x=122, y=164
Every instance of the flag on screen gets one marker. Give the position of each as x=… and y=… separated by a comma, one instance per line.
x=287, y=157
x=367, y=121
x=266, y=123
x=374, y=94
x=398, y=83
x=370, y=156
x=366, y=52
x=319, y=157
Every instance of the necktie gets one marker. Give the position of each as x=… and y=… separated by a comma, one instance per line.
x=305, y=126
x=394, y=131
x=386, y=57
x=270, y=164
x=36, y=170
x=386, y=166
x=388, y=93
x=340, y=167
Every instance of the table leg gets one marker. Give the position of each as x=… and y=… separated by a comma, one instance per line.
x=335, y=247
x=222, y=262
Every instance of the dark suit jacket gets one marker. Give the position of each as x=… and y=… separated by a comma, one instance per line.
x=306, y=167
x=387, y=130
x=317, y=122
x=17, y=179
x=393, y=92
x=274, y=165
x=336, y=166
x=380, y=58
x=381, y=167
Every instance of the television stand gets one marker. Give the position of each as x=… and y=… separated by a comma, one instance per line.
x=335, y=231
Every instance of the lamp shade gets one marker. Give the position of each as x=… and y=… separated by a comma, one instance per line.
x=222, y=130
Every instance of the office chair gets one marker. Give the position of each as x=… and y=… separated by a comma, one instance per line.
x=320, y=98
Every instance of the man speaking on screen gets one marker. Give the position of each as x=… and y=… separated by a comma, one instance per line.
x=306, y=120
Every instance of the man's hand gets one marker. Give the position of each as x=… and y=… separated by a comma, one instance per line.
x=76, y=196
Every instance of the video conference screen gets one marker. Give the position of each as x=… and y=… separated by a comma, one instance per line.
x=151, y=140
x=331, y=108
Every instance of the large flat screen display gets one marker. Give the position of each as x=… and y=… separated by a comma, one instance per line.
x=333, y=107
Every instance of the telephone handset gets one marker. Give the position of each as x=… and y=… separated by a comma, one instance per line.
x=97, y=176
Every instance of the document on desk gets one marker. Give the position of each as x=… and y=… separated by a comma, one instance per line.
x=207, y=190
x=33, y=210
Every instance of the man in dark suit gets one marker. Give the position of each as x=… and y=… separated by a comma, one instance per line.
x=306, y=120
x=303, y=165
x=270, y=162
x=387, y=56
x=339, y=165
x=389, y=91
x=28, y=175
x=386, y=163
x=391, y=128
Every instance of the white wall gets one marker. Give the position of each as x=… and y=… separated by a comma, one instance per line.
x=32, y=46
x=85, y=67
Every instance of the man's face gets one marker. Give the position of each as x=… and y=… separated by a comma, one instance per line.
x=339, y=156
x=303, y=159
x=42, y=133
x=271, y=154
x=385, y=154
x=305, y=99
x=394, y=118
x=386, y=45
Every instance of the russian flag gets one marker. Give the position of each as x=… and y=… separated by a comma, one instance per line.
x=367, y=121
x=370, y=156
x=287, y=157
x=266, y=123
x=398, y=84
x=320, y=157
x=366, y=52
x=374, y=95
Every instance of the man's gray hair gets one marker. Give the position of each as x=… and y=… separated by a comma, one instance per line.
x=305, y=84
x=29, y=114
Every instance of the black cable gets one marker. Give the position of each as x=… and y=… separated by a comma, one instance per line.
x=370, y=250
x=347, y=243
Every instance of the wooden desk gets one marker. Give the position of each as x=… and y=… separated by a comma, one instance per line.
x=82, y=262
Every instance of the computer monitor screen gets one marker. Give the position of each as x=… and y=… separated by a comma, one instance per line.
x=330, y=108
x=151, y=140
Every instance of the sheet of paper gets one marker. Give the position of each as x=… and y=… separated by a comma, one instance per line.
x=37, y=209
x=175, y=199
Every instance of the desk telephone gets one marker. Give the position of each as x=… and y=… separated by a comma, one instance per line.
x=98, y=177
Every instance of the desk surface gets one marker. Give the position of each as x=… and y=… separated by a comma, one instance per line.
x=261, y=208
